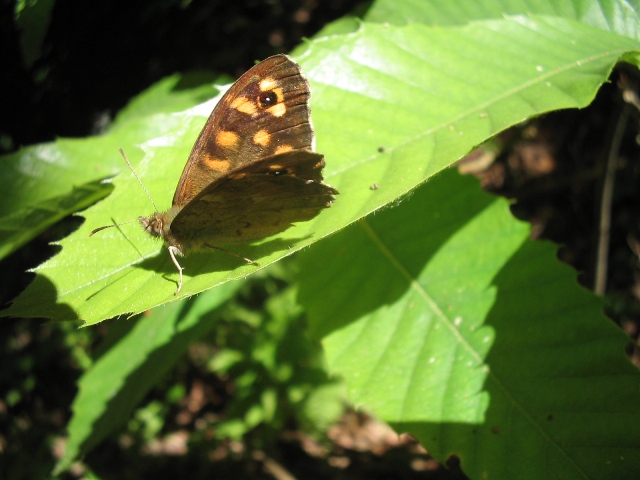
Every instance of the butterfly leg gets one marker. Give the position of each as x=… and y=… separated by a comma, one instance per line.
x=173, y=251
x=248, y=260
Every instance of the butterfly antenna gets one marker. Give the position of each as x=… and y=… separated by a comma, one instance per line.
x=139, y=181
x=143, y=188
x=96, y=230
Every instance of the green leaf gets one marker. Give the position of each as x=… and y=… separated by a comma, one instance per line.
x=18, y=228
x=392, y=106
x=119, y=379
x=619, y=16
x=44, y=183
x=478, y=342
x=172, y=94
x=32, y=19
x=278, y=373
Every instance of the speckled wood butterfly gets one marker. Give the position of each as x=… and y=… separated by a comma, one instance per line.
x=252, y=171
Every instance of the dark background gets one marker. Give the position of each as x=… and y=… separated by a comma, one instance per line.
x=97, y=55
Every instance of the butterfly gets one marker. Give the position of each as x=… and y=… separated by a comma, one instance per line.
x=252, y=172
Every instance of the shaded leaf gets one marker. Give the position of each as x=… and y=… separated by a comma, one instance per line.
x=478, y=342
x=119, y=379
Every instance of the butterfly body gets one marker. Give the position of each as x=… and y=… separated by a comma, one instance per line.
x=224, y=214
x=252, y=172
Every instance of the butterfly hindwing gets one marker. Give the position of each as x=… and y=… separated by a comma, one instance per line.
x=285, y=188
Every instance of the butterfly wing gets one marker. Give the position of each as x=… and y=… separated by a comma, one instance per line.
x=264, y=113
x=255, y=201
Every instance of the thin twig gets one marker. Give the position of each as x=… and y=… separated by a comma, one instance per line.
x=602, y=255
x=271, y=466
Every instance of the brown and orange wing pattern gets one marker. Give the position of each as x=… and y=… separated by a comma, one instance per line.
x=265, y=112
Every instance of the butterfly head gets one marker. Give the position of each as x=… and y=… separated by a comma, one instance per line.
x=155, y=225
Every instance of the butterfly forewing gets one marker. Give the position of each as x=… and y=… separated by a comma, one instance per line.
x=264, y=113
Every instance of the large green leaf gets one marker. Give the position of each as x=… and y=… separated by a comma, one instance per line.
x=447, y=322
x=619, y=16
x=392, y=106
